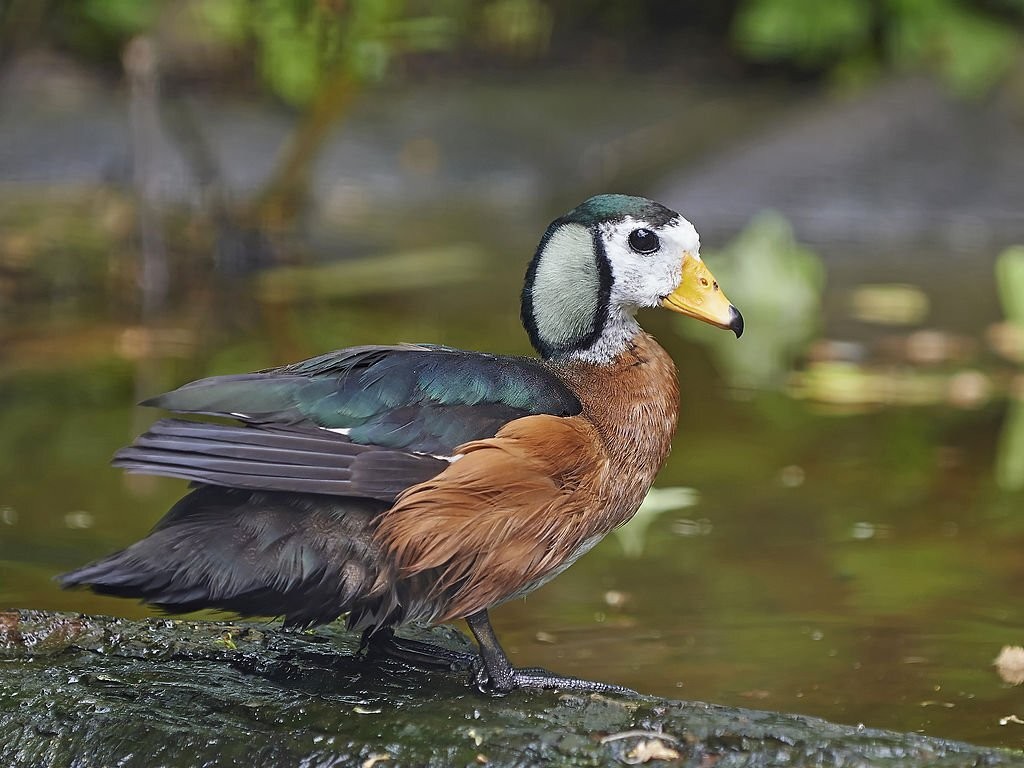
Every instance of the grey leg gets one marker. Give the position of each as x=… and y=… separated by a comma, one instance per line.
x=497, y=675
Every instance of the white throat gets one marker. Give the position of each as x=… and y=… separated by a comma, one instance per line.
x=616, y=336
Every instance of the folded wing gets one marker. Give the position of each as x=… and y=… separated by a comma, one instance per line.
x=366, y=422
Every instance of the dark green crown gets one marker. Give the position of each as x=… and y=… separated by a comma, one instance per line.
x=602, y=208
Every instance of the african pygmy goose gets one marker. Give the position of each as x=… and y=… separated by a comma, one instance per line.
x=422, y=483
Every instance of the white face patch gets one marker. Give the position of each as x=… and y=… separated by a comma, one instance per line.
x=638, y=279
x=641, y=280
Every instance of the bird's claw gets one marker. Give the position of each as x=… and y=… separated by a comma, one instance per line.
x=480, y=678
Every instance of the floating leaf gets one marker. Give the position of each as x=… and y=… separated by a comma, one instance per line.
x=889, y=304
x=1010, y=454
x=1010, y=664
x=1010, y=282
x=633, y=535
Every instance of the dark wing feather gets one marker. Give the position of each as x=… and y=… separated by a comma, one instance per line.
x=275, y=459
x=420, y=398
x=307, y=558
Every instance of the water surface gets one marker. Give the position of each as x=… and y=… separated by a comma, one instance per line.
x=846, y=550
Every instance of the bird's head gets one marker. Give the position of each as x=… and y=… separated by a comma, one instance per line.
x=607, y=258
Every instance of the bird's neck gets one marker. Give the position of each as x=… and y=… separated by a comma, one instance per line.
x=617, y=336
x=633, y=403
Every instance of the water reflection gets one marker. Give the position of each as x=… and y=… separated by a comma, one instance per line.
x=778, y=284
x=834, y=533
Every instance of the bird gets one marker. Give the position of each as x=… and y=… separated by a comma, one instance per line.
x=422, y=484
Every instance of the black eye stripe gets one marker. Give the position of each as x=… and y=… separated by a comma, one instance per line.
x=644, y=241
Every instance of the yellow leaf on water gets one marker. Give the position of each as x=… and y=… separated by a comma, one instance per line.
x=1010, y=664
x=889, y=304
x=651, y=749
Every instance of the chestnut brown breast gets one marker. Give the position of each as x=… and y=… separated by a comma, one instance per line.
x=516, y=508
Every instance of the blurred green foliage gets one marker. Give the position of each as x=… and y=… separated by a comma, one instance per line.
x=118, y=17
x=777, y=283
x=294, y=45
x=970, y=44
x=298, y=43
x=808, y=31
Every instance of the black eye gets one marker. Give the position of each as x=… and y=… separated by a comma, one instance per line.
x=644, y=241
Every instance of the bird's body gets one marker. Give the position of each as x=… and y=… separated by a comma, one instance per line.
x=520, y=507
x=422, y=483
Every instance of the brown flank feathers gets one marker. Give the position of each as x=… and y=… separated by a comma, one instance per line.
x=519, y=505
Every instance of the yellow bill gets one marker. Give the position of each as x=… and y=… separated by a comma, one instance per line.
x=699, y=296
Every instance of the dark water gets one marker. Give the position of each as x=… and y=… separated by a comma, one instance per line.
x=846, y=549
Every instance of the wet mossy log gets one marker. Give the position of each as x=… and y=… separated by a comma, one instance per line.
x=91, y=691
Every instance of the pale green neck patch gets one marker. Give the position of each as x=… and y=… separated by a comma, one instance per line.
x=566, y=289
